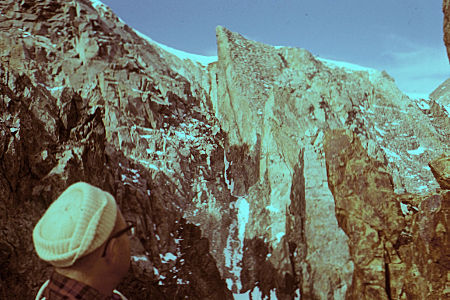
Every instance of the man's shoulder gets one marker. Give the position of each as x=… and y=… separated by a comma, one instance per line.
x=41, y=293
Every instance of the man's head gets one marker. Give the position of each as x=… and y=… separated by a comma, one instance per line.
x=78, y=228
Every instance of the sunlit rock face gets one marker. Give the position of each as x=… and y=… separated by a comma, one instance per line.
x=220, y=161
x=398, y=242
x=276, y=104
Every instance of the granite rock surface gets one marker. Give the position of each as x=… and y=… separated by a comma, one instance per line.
x=398, y=242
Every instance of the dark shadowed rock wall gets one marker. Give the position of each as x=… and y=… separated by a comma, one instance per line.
x=78, y=88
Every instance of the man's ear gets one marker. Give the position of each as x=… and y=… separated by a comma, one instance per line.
x=112, y=249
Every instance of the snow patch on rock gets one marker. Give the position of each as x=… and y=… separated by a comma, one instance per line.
x=417, y=151
x=233, y=252
x=345, y=65
x=201, y=59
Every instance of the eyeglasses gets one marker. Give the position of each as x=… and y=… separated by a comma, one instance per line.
x=130, y=224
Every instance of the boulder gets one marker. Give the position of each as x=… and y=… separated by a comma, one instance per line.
x=277, y=104
x=441, y=170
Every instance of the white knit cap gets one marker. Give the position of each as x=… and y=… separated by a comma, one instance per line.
x=75, y=224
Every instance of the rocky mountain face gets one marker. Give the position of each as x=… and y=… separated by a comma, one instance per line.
x=84, y=98
x=279, y=104
x=268, y=171
x=446, y=12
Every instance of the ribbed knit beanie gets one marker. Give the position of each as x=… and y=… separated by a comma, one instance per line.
x=75, y=224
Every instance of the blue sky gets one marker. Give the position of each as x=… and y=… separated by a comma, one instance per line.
x=403, y=37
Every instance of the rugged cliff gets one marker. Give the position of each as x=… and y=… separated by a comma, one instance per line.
x=398, y=243
x=277, y=104
x=446, y=12
x=85, y=98
x=264, y=170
